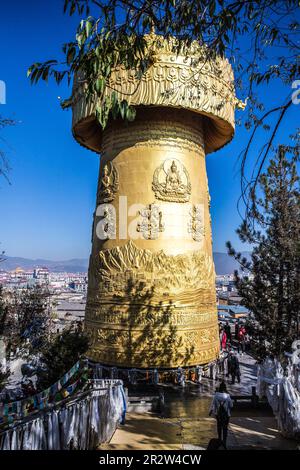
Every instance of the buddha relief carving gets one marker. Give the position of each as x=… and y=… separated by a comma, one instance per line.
x=109, y=183
x=171, y=182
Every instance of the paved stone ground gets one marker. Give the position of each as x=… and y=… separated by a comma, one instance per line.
x=185, y=424
x=149, y=432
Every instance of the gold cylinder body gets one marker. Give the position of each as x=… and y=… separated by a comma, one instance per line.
x=151, y=295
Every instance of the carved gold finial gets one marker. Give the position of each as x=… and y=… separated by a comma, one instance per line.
x=152, y=28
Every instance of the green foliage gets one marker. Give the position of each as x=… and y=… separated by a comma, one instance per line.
x=259, y=37
x=272, y=290
x=25, y=323
x=25, y=320
x=3, y=312
x=4, y=378
x=4, y=375
x=60, y=353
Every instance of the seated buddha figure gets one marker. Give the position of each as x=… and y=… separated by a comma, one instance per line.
x=108, y=184
x=173, y=180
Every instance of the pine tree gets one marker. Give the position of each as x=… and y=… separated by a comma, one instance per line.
x=272, y=291
x=60, y=353
x=4, y=373
x=3, y=312
x=25, y=321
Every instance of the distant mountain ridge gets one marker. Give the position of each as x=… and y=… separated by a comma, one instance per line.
x=76, y=265
x=224, y=264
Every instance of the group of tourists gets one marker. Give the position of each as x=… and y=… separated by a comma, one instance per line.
x=241, y=337
x=229, y=365
x=230, y=359
x=232, y=344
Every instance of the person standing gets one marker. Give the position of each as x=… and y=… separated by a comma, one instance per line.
x=223, y=339
x=241, y=339
x=236, y=330
x=233, y=368
x=227, y=330
x=220, y=409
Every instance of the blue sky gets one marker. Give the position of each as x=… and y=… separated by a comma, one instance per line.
x=47, y=210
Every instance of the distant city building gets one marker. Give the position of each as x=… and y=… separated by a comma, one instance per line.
x=78, y=285
x=41, y=274
x=232, y=311
x=68, y=293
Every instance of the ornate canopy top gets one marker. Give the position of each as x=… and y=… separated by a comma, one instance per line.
x=181, y=75
x=192, y=54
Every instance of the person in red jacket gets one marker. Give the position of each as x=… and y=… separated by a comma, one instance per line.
x=241, y=339
x=223, y=339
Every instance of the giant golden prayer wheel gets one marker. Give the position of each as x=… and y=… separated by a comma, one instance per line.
x=151, y=291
